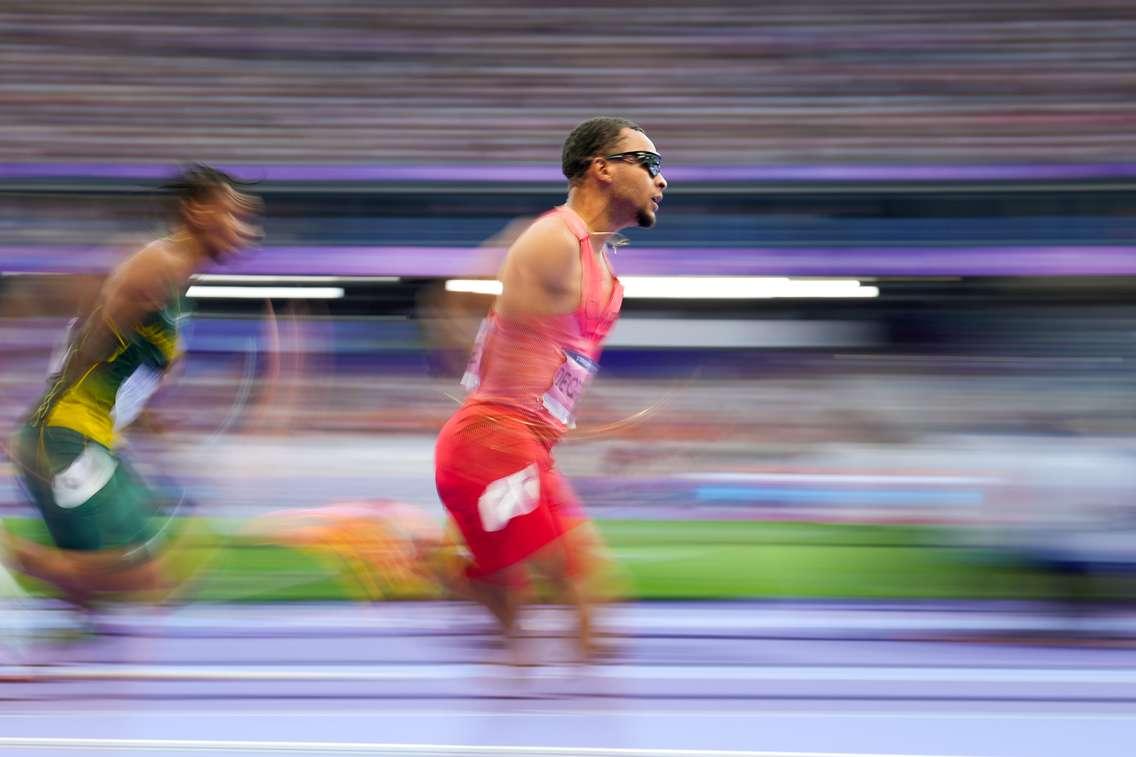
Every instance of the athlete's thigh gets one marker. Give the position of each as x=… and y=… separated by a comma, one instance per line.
x=89, y=497
x=493, y=483
x=560, y=495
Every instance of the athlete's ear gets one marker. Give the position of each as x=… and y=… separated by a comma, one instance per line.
x=601, y=170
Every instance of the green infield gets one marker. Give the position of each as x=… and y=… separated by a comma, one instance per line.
x=672, y=560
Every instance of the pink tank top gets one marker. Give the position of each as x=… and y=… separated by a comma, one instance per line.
x=541, y=365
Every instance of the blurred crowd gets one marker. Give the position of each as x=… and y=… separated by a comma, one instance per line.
x=721, y=83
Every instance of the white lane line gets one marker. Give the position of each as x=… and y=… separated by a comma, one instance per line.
x=835, y=478
x=471, y=672
x=616, y=712
x=748, y=621
x=455, y=750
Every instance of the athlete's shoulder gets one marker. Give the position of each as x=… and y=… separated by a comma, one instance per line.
x=547, y=241
x=149, y=274
x=155, y=257
x=550, y=228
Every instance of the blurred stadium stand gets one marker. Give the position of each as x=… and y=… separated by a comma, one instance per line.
x=725, y=83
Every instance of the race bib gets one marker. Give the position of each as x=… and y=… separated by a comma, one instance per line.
x=133, y=394
x=568, y=386
x=471, y=379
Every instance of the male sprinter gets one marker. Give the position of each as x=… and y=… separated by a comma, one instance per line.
x=97, y=510
x=535, y=353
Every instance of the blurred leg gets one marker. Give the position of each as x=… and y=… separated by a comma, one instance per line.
x=573, y=564
x=81, y=576
x=569, y=568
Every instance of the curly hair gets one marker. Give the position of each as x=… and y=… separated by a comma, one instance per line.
x=195, y=182
x=591, y=138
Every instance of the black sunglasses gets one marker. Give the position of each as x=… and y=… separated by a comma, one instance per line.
x=651, y=161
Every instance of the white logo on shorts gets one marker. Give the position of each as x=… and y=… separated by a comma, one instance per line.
x=509, y=497
x=84, y=477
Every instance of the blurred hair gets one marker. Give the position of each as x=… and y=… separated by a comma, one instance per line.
x=593, y=137
x=194, y=182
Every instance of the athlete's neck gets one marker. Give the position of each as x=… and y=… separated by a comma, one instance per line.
x=188, y=247
x=596, y=214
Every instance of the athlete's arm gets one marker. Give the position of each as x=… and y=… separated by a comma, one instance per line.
x=450, y=319
x=541, y=275
x=140, y=286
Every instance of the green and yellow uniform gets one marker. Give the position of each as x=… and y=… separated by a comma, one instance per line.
x=88, y=495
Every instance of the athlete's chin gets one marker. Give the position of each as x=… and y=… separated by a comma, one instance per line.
x=645, y=219
x=220, y=254
x=229, y=249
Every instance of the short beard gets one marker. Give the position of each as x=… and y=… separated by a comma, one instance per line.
x=644, y=219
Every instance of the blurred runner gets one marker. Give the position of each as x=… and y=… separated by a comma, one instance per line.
x=377, y=549
x=533, y=357
x=99, y=513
